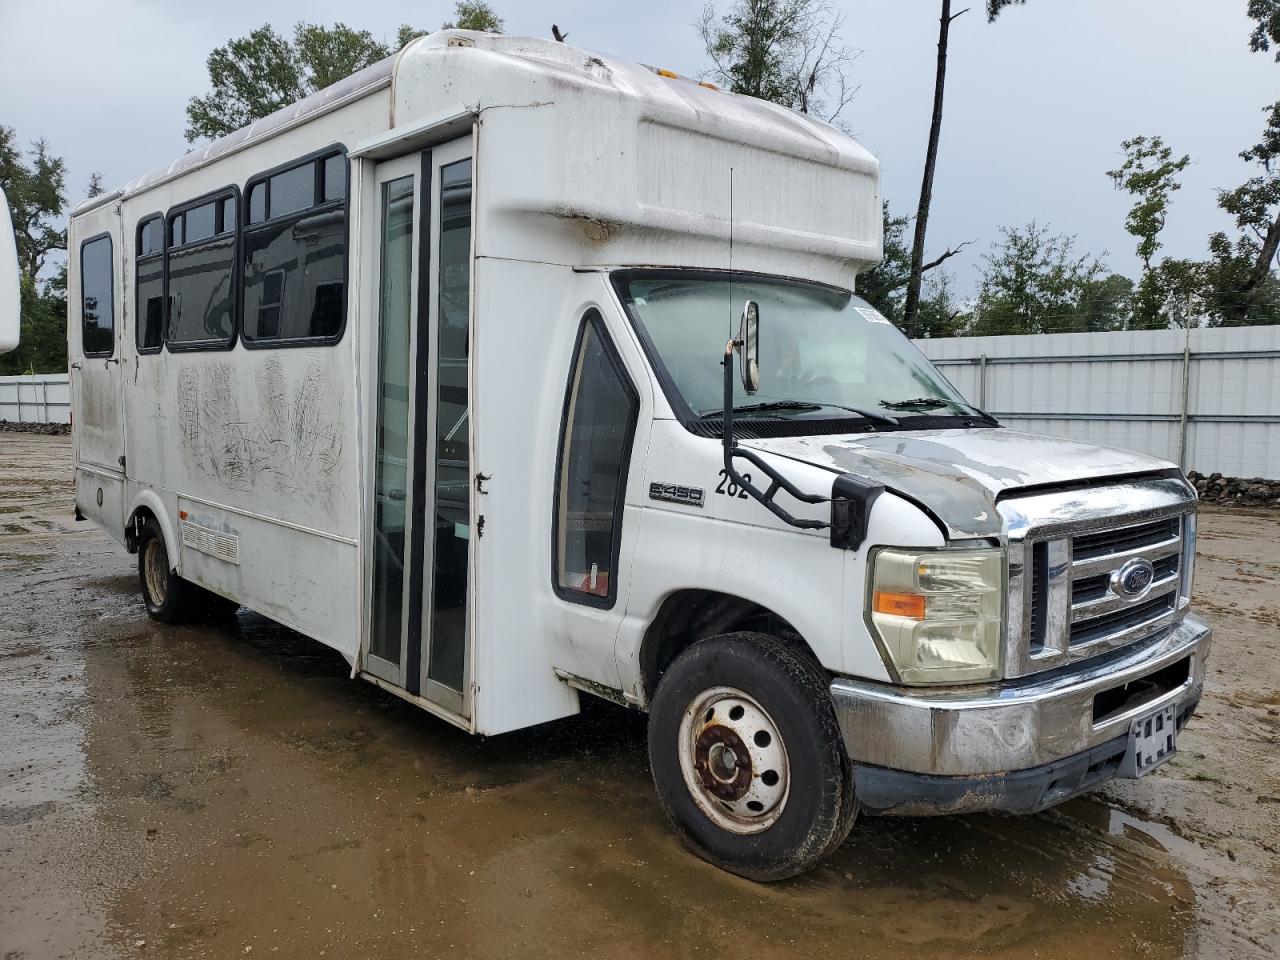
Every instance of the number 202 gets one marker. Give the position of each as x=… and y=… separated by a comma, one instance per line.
x=733, y=489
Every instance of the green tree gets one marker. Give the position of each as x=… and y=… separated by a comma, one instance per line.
x=1266, y=32
x=1170, y=294
x=1149, y=172
x=1034, y=282
x=326, y=55
x=37, y=193
x=258, y=74
x=915, y=279
x=783, y=51
x=941, y=314
x=1255, y=205
x=35, y=186
x=882, y=286
x=474, y=15
x=918, y=266
x=1106, y=303
x=42, y=339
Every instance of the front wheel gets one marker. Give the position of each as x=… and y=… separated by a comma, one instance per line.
x=747, y=756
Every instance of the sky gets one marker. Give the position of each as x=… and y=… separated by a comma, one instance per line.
x=1037, y=103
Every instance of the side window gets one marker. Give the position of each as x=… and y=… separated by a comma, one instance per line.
x=97, y=300
x=149, y=301
x=595, y=449
x=200, y=266
x=295, y=254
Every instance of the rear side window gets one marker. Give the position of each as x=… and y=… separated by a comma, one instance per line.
x=599, y=423
x=200, y=265
x=295, y=254
x=97, y=300
x=150, y=284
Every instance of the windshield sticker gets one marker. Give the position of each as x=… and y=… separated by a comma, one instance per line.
x=872, y=314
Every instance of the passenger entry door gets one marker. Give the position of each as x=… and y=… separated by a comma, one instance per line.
x=420, y=510
x=96, y=352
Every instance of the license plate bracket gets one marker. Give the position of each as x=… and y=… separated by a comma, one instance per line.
x=1153, y=739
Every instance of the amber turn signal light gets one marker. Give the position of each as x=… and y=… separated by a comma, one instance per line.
x=899, y=604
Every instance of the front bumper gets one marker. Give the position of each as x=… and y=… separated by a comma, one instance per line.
x=1019, y=746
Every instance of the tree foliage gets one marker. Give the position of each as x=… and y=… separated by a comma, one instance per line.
x=883, y=285
x=1149, y=172
x=941, y=314
x=42, y=339
x=474, y=15
x=1034, y=282
x=256, y=75
x=36, y=189
x=996, y=7
x=325, y=55
x=785, y=51
x=35, y=186
x=1266, y=31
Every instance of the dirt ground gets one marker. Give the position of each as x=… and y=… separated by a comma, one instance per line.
x=226, y=790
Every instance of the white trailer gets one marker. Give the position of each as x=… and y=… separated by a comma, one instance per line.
x=10, y=292
x=440, y=367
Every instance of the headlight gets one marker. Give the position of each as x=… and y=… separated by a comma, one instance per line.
x=939, y=612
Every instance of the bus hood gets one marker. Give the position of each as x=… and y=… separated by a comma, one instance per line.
x=958, y=475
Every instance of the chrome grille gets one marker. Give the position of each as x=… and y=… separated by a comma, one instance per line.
x=1097, y=611
x=1064, y=551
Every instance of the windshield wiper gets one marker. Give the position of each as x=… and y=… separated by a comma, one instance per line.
x=933, y=403
x=800, y=405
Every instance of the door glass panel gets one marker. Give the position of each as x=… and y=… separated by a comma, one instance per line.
x=391, y=474
x=599, y=422
x=452, y=439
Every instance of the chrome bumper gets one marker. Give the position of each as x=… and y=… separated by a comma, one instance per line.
x=959, y=732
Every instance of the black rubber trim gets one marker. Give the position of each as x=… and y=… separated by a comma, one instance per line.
x=422, y=381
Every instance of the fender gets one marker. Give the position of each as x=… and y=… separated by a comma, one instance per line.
x=168, y=528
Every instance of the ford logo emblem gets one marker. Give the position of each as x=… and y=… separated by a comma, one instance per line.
x=1134, y=579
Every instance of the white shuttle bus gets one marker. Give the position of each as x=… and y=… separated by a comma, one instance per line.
x=516, y=373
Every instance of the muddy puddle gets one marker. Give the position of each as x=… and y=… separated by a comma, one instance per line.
x=226, y=790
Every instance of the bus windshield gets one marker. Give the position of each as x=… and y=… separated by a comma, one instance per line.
x=822, y=350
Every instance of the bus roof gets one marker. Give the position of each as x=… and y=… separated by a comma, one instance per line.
x=605, y=146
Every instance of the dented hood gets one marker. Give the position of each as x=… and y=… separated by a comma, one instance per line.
x=958, y=475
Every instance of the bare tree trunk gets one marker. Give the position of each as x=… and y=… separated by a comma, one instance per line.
x=912, y=308
x=1266, y=257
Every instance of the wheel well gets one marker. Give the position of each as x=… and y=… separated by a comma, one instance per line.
x=133, y=528
x=688, y=616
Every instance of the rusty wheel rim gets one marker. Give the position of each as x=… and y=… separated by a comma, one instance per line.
x=733, y=760
x=155, y=565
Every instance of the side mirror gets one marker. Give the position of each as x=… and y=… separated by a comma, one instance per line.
x=749, y=346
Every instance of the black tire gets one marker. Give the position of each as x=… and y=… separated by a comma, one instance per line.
x=785, y=690
x=167, y=597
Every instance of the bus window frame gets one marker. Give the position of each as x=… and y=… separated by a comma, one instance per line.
x=316, y=158
x=192, y=346
x=99, y=354
x=138, y=259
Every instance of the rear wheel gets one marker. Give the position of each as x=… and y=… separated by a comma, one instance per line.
x=169, y=598
x=747, y=757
